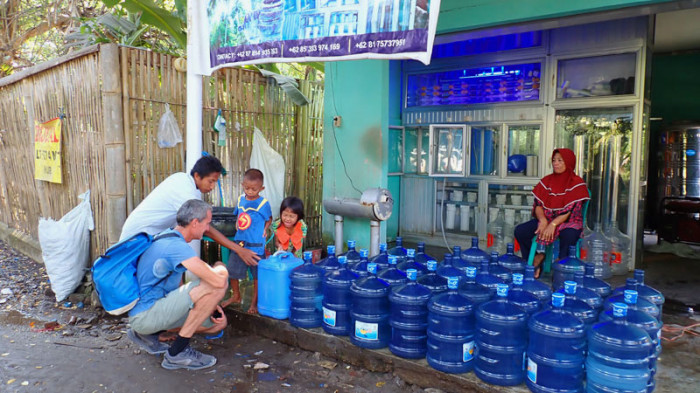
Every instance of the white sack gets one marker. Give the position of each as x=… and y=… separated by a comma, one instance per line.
x=271, y=163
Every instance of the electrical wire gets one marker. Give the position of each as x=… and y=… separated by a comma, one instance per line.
x=442, y=217
x=340, y=154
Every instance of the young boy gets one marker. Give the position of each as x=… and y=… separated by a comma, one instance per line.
x=254, y=217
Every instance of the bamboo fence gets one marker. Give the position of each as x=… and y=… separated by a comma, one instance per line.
x=103, y=87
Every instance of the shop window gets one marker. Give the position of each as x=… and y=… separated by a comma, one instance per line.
x=416, y=143
x=596, y=76
x=488, y=45
x=447, y=150
x=523, y=150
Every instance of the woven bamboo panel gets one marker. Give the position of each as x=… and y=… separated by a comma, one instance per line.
x=73, y=89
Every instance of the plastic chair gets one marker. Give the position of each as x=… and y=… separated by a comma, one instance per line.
x=547, y=262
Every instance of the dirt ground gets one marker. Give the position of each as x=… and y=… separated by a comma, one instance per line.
x=50, y=347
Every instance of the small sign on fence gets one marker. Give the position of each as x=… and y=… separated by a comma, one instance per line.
x=47, y=151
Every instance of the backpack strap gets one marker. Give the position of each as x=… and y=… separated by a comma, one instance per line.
x=156, y=238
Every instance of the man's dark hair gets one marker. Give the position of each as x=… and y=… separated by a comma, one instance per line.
x=206, y=166
x=294, y=204
x=253, y=174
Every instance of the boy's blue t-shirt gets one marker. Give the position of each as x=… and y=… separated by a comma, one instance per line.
x=250, y=224
x=164, y=257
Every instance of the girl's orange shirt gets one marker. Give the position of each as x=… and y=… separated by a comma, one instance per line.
x=295, y=239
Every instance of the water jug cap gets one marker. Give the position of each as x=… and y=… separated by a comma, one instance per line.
x=558, y=299
x=452, y=282
x=517, y=279
x=421, y=245
x=509, y=248
x=448, y=257
x=432, y=265
x=570, y=287
x=392, y=259
x=331, y=250
x=484, y=266
x=572, y=251
x=590, y=269
x=382, y=247
x=475, y=242
x=308, y=255
x=364, y=253
x=631, y=283
x=630, y=296
x=399, y=240
x=471, y=271
x=501, y=290
x=410, y=252
x=372, y=268
x=456, y=249
x=578, y=277
x=342, y=259
x=351, y=244
x=619, y=310
x=412, y=274
x=639, y=275
x=494, y=256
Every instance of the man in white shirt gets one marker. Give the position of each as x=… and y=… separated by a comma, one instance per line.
x=158, y=211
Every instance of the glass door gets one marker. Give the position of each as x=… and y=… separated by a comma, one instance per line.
x=484, y=153
x=447, y=148
x=523, y=150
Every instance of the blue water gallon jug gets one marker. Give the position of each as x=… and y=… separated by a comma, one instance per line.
x=360, y=268
x=273, y=284
x=501, y=340
x=421, y=256
x=487, y=279
x=469, y=288
x=619, y=355
x=646, y=322
x=352, y=255
x=457, y=259
x=370, y=311
x=446, y=269
x=451, y=331
x=495, y=269
x=306, y=294
x=409, y=318
x=556, y=351
x=398, y=249
x=596, y=285
x=520, y=297
x=410, y=263
x=337, y=300
x=512, y=262
x=641, y=304
x=474, y=256
x=535, y=286
x=645, y=292
x=564, y=269
x=573, y=289
x=432, y=280
x=578, y=307
x=330, y=262
x=392, y=274
x=381, y=259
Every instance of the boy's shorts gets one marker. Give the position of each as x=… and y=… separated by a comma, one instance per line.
x=237, y=269
x=167, y=313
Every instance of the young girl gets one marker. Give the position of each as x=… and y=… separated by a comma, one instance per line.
x=290, y=229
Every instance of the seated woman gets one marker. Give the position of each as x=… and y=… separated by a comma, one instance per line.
x=559, y=200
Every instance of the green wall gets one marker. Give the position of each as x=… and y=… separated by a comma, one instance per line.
x=675, y=87
x=458, y=15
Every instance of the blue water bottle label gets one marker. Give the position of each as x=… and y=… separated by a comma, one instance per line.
x=471, y=272
x=364, y=253
x=468, y=351
x=630, y=296
x=531, y=371
x=517, y=279
x=411, y=274
x=410, y=252
x=367, y=331
x=331, y=250
x=372, y=268
x=452, y=282
x=501, y=290
x=328, y=317
x=619, y=310
x=342, y=259
x=570, y=287
x=432, y=266
x=351, y=244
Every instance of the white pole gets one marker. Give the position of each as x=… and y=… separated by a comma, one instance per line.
x=194, y=91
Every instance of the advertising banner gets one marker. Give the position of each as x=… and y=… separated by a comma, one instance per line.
x=275, y=31
x=47, y=151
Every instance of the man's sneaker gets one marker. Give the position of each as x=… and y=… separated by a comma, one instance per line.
x=148, y=343
x=189, y=358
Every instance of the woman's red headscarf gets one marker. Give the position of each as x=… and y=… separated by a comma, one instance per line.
x=559, y=190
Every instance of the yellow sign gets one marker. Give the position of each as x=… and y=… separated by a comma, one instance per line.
x=47, y=151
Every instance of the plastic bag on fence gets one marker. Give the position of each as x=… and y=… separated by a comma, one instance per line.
x=168, y=131
x=65, y=247
x=271, y=163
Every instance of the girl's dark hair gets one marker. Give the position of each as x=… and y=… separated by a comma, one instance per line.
x=294, y=204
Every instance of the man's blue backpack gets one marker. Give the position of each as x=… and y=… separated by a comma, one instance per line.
x=114, y=272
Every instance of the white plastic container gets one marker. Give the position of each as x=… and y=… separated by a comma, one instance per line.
x=451, y=211
x=464, y=212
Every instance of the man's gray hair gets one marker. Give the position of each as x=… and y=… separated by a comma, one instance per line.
x=194, y=208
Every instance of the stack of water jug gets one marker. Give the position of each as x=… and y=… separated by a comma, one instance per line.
x=487, y=313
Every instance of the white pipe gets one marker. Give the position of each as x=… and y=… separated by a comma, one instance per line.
x=373, y=238
x=338, y=235
x=194, y=92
